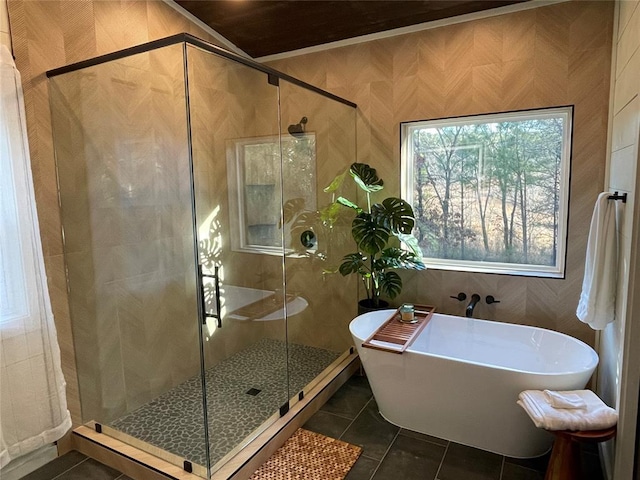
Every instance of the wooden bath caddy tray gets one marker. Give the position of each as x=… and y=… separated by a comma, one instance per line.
x=399, y=333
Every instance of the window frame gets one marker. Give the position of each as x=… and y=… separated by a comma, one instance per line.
x=531, y=270
x=237, y=204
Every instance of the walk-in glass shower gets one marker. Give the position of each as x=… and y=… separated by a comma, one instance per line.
x=198, y=243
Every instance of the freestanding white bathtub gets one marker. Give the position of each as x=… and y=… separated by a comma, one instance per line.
x=461, y=377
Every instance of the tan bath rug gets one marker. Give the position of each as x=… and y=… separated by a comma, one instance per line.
x=309, y=455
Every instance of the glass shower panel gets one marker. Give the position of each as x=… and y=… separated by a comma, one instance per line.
x=318, y=144
x=238, y=195
x=121, y=141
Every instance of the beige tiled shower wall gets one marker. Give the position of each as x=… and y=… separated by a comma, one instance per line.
x=228, y=101
x=48, y=34
x=548, y=56
x=122, y=155
x=332, y=298
x=231, y=102
x=129, y=267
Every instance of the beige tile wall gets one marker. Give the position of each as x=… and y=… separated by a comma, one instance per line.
x=126, y=261
x=618, y=374
x=231, y=102
x=48, y=34
x=553, y=55
x=121, y=140
x=228, y=101
x=332, y=299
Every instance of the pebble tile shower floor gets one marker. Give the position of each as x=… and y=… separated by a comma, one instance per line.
x=242, y=392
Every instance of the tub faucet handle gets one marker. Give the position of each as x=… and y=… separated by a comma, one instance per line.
x=461, y=296
x=491, y=299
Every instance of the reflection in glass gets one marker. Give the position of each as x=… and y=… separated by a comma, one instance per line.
x=254, y=170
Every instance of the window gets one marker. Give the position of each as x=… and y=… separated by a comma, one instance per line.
x=255, y=168
x=490, y=192
x=20, y=290
x=13, y=276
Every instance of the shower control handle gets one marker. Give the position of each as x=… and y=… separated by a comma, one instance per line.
x=217, y=289
x=308, y=239
x=461, y=296
x=491, y=299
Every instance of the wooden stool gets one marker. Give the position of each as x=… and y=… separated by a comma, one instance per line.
x=564, y=463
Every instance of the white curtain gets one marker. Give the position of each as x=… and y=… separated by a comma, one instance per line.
x=33, y=406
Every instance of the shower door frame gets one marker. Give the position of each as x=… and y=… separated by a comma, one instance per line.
x=189, y=39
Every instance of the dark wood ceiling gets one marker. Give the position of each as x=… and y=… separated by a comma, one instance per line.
x=266, y=27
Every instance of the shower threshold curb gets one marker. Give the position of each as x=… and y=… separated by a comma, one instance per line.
x=140, y=465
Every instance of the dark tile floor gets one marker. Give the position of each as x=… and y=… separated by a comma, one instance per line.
x=389, y=452
x=75, y=466
x=392, y=453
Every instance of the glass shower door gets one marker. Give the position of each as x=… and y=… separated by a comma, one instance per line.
x=121, y=139
x=235, y=145
x=318, y=144
x=187, y=181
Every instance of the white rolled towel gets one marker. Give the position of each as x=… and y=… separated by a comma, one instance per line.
x=567, y=410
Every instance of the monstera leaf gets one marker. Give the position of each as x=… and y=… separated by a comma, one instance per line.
x=348, y=203
x=336, y=183
x=366, y=177
x=370, y=236
x=394, y=257
x=373, y=231
x=411, y=242
x=395, y=214
x=353, y=263
x=305, y=221
x=390, y=283
x=329, y=214
x=292, y=208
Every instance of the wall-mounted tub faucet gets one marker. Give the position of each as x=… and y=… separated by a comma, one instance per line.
x=475, y=298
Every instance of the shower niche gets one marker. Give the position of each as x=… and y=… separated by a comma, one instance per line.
x=199, y=317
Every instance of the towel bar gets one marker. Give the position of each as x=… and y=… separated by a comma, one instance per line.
x=616, y=196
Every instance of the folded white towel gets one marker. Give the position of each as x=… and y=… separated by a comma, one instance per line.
x=564, y=399
x=596, y=306
x=595, y=415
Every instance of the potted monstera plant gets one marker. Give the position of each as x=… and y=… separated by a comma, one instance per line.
x=379, y=231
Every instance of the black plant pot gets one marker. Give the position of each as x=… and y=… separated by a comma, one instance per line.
x=366, y=305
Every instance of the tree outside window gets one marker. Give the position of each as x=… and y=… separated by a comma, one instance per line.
x=490, y=192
